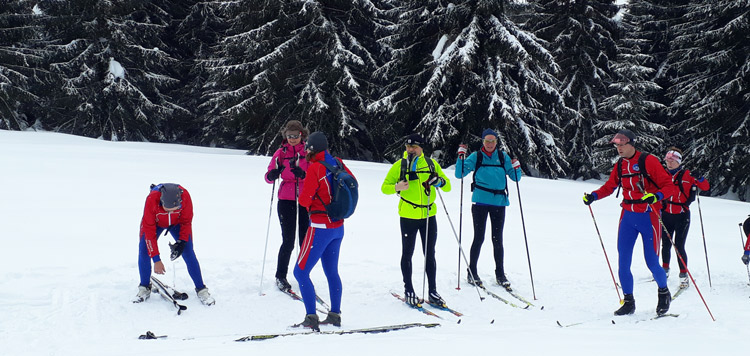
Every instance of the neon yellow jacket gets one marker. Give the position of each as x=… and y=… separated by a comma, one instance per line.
x=416, y=192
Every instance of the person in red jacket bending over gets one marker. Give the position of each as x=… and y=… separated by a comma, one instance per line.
x=676, y=214
x=645, y=183
x=168, y=207
x=323, y=239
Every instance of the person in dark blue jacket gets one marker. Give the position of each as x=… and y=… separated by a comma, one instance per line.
x=489, y=197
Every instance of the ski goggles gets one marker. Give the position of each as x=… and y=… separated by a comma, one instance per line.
x=673, y=155
x=292, y=136
x=620, y=139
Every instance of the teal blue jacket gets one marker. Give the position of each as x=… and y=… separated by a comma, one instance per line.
x=489, y=177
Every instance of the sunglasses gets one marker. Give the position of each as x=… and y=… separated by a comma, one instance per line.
x=490, y=141
x=293, y=137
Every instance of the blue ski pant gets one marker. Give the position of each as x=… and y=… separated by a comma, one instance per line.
x=188, y=255
x=647, y=225
x=320, y=245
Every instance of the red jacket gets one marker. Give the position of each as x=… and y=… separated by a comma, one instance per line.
x=154, y=215
x=630, y=190
x=688, y=181
x=316, y=182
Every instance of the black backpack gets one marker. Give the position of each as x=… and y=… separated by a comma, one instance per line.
x=344, y=192
x=480, y=164
x=641, y=172
x=678, y=182
x=413, y=176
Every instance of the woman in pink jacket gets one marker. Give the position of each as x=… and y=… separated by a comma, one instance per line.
x=289, y=164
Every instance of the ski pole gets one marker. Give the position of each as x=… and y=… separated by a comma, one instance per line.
x=705, y=250
x=605, y=255
x=268, y=229
x=460, y=225
x=742, y=240
x=460, y=248
x=669, y=236
x=526, y=241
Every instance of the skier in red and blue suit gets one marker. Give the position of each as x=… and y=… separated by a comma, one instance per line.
x=643, y=189
x=168, y=207
x=323, y=239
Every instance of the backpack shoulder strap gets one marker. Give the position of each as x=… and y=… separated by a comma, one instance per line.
x=402, y=175
x=678, y=181
x=430, y=164
x=642, y=166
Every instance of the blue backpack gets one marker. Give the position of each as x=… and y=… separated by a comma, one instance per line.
x=344, y=192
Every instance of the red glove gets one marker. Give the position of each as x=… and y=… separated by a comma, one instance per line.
x=462, y=150
x=515, y=163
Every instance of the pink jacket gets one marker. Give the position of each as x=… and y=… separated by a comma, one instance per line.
x=287, y=154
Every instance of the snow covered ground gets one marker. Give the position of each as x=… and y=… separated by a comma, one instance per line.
x=70, y=209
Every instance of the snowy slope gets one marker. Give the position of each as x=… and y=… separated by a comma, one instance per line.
x=70, y=209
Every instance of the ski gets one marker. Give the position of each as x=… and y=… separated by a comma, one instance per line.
x=679, y=291
x=517, y=296
x=417, y=307
x=164, y=292
x=296, y=296
x=492, y=294
x=150, y=336
x=175, y=293
x=580, y=323
x=659, y=317
x=373, y=330
x=445, y=308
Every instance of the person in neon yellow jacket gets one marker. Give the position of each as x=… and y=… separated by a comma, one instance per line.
x=415, y=179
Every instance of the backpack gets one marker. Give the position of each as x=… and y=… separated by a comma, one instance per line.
x=413, y=176
x=641, y=172
x=344, y=192
x=480, y=164
x=678, y=182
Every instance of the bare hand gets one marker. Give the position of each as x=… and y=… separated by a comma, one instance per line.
x=159, y=268
x=402, y=185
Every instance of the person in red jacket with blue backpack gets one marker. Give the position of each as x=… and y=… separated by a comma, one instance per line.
x=645, y=183
x=323, y=238
x=168, y=207
x=289, y=164
x=676, y=216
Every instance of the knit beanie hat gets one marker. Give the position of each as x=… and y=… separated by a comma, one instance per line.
x=317, y=142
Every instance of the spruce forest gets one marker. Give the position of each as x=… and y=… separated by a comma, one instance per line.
x=555, y=78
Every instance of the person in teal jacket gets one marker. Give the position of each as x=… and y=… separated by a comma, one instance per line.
x=415, y=179
x=489, y=197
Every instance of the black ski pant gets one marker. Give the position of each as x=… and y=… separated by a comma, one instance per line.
x=677, y=225
x=497, y=220
x=287, y=219
x=409, y=229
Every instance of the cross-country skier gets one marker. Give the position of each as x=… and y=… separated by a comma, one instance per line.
x=414, y=178
x=323, y=239
x=288, y=162
x=644, y=183
x=489, y=197
x=676, y=211
x=168, y=207
x=746, y=229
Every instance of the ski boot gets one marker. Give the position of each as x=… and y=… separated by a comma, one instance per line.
x=204, y=296
x=628, y=307
x=503, y=281
x=436, y=299
x=473, y=279
x=684, y=281
x=332, y=319
x=144, y=292
x=283, y=284
x=664, y=299
x=412, y=299
x=311, y=321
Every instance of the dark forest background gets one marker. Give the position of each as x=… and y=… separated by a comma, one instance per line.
x=556, y=78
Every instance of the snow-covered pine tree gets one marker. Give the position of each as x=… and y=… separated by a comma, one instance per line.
x=632, y=101
x=19, y=64
x=114, y=69
x=463, y=66
x=306, y=60
x=711, y=56
x=581, y=34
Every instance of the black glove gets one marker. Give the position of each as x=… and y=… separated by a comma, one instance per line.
x=177, y=249
x=588, y=198
x=746, y=259
x=276, y=172
x=298, y=172
x=435, y=181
